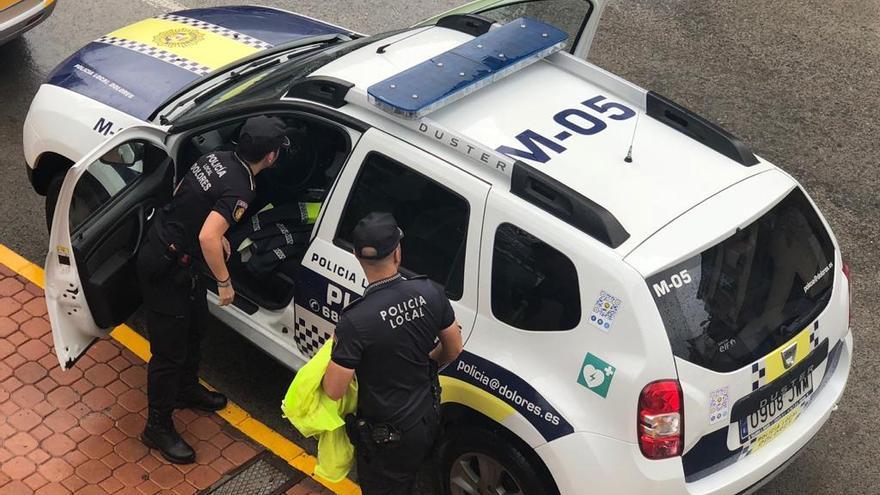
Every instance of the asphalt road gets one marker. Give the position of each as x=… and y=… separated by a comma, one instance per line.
x=798, y=81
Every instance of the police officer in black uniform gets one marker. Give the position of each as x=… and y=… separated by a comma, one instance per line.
x=183, y=252
x=394, y=338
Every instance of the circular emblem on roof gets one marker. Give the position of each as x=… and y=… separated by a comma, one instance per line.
x=178, y=38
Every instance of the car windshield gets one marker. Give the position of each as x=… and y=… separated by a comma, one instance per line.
x=272, y=81
x=746, y=296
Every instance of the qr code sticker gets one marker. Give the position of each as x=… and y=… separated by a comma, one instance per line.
x=604, y=311
x=719, y=405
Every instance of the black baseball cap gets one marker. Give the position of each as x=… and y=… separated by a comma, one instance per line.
x=260, y=135
x=378, y=231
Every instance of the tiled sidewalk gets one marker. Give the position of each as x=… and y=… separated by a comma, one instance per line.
x=77, y=431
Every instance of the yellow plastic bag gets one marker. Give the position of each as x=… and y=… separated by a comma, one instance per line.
x=313, y=413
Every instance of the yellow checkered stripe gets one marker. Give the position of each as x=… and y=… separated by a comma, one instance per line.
x=196, y=46
x=772, y=366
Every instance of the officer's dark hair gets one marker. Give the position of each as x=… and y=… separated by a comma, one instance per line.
x=249, y=155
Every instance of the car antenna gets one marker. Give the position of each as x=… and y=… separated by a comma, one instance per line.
x=382, y=48
x=629, y=153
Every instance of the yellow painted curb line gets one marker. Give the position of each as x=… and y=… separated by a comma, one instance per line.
x=295, y=455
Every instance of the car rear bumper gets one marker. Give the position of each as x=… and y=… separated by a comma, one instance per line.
x=18, y=19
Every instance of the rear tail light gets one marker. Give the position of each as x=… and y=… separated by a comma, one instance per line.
x=848, y=274
x=661, y=420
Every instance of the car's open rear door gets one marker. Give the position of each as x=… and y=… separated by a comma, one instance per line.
x=101, y=218
x=578, y=18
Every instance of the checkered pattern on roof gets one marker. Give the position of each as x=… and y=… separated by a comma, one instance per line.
x=222, y=31
x=156, y=53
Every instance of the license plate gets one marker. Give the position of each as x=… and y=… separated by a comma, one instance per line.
x=771, y=415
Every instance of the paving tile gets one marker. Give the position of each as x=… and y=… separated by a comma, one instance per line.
x=82, y=386
x=117, y=388
x=7, y=326
x=58, y=444
x=36, y=328
x=41, y=432
x=151, y=461
x=186, y=416
x=18, y=468
x=77, y=434
x=33, y=350
x=166, y=477
x=36, y=306
x=4, y=456
x=44, y=409
x=35, y=481
x=62, y=397
x=93, y=471
x=85, y=362
x=114, y=435
x=5, y=372
x=99, y=399
x=19, y=317
x=101, y=374
x=131, y=424
x=9, y=286
x=38, y=456
x=184, y=488
x=202, y=477
x=117, y=412
x=16, y=487
x=134, y=400
x=65, y=377
x=103, y=351
x=305, y=487
x=91, y=490
x=8, y=408
x=130, y=475
x=119, y=363
x=23, y=296
x=203, y=428
x=53, y=489
x=131, y=449
x=7, y=348
x=60, y=421
x=238, y=453
x=14, y=360
x=113, y=461
x=30, y=372
x=206, y=453
x=47, y=384
x=27, y=396
x=135, y=377
x=96, y=423
x=148, y=488
x=55, y=470
x=20, y=444
x=73, y=483
x=24, y=419
x=111, y=485
x=75, y=458
x=95, y=447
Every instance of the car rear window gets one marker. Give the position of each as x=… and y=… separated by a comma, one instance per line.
x=744, y=297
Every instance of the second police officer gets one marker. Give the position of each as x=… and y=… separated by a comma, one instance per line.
x=394, y=338
x=186, y=240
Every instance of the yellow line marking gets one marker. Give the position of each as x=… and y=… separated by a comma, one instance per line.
x=295, y=455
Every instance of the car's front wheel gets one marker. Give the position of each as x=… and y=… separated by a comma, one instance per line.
x=477, y=461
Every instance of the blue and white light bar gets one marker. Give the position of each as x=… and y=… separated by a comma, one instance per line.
x=466, y=68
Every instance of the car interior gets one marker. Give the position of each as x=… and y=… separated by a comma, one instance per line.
x=303, y=173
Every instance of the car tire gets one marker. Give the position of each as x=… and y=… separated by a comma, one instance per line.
x=478, y=460
x=52, y=198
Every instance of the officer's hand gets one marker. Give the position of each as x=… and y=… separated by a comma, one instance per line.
x=226, y=295
x=227, y=249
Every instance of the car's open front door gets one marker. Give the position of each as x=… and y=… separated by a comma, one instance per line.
x=578, y=18
x=102, y=214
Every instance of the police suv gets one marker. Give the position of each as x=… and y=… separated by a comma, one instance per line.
x=647, y=306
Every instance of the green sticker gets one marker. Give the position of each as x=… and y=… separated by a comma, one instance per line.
x=596, y=375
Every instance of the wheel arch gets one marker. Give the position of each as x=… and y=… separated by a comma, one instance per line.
x=47, y=166
x=455, y=415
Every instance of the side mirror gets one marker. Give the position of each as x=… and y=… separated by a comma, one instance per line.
x=125, y=155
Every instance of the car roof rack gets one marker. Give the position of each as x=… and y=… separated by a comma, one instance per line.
x=692, y=125
x=328, y=90
x=568, y=205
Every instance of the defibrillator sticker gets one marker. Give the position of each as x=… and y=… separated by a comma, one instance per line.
x=238, y=212
x=596, y=375
x=719, y=405
x=604, y=311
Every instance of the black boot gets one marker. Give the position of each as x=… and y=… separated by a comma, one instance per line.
x=198, y=397
x=160, y=434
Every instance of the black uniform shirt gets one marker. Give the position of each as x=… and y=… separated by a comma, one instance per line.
x=386, y=337
x=218, y=182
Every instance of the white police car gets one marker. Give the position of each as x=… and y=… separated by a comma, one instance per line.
x=647, y=306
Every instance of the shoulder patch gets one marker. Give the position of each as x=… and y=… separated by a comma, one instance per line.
x=240, y=208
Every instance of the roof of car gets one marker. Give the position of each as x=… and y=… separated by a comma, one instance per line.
x=669, y=174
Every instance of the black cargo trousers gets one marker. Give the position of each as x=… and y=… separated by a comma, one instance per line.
x=391, y=469
x=176, y=312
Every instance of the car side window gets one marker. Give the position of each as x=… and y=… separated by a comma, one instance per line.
x=534, y=286
x=109, y=175
x=434, y=219
x=568, y=15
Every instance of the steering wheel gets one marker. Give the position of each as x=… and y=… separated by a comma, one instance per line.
x=296, y=166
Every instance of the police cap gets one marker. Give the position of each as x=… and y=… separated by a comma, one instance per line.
x=376, y=236
x=260, y=135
